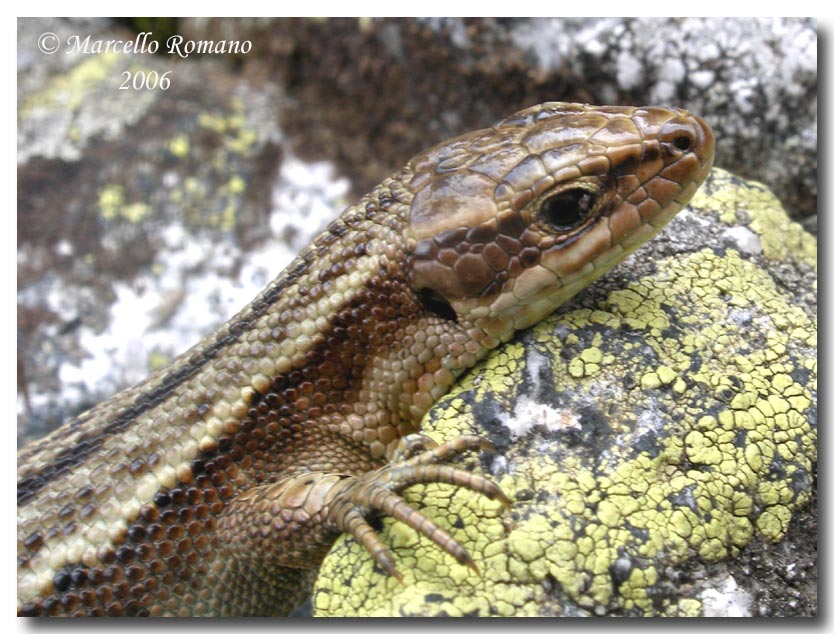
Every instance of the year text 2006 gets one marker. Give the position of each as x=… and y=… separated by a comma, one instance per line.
x=142, y=80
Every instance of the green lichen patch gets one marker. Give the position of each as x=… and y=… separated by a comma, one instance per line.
x=752, y=205
x=84, y=102
x=693, y=436
x=111, y=204
x=216, y=150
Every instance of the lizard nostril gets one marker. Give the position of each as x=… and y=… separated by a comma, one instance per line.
x=679, y=136
x=683, y=142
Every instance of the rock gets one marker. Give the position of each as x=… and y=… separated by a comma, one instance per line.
x=657, y=435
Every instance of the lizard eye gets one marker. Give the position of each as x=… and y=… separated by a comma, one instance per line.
x=568, y=208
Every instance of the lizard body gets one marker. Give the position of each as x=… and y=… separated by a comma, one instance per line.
x=216, y=486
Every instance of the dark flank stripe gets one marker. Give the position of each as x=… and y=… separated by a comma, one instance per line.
x=76, y=454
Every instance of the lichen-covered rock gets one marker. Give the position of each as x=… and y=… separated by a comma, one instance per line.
x=651, y=434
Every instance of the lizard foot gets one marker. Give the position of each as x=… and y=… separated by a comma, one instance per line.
x=416, y=462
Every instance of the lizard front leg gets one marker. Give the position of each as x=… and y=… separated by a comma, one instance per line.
x=292, y=523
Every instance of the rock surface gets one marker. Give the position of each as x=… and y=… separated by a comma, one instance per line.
x=657, y=435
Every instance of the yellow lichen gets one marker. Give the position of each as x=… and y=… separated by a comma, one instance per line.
x=112, y=205
x=179, y=146
x=67, y=91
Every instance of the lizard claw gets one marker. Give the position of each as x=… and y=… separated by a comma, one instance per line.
x=409, y=446
x=378, y=491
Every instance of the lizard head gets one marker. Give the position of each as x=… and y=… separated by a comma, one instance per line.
x=508, y=223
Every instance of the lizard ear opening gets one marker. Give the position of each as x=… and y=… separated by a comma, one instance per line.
x=437, y=305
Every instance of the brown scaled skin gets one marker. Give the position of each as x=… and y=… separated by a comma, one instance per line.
x=218, y=485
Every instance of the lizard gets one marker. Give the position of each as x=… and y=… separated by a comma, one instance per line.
x=216, y=486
